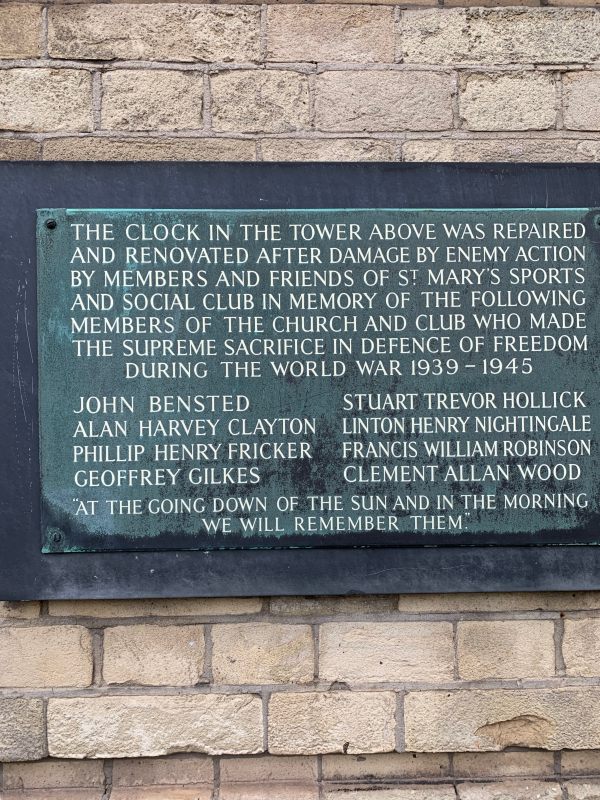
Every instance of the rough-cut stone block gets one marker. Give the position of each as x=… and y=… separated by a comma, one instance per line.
x=383, y=101
x=386, y=651
x=488, y=150
x=260, y=101
x=254, y=653
x=155, y=32
x=152, y=149
x=474, y=602
x=52, y=774
x=18, y=149
x=45, y=657
x=22, y=736
x=503, y=765
x=172, y=771
x=508, y=101
x=330, y=33
x=266, y=770
x=274, y=791
x=325, y=150
x=500, y=36
x=152, y=100
x=582, y=762
x=515, y=790
x=121, y=727
x=335, y=722
x=331, y=606
x=581, y=647
x=386, y=766
x=162, y=793
x=154, y=655
x=581, y=101
x=45, y=100
x=432, y=792
x=113, y=609
x=548, y=719
x=20, y=31
x=505, y=649
x=56, y=794
x=583, y=790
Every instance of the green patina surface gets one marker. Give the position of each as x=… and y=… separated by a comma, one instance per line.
x=79, y=518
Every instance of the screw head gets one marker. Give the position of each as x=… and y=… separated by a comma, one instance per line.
x=56, y=537
x=51, y=224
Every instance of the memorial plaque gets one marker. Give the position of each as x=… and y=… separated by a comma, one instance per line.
x=259, y=378
x=298, y=379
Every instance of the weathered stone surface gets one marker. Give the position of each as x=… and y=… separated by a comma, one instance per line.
x=151, y=149
x=500, y=36
x=510, y=790
x=152, y=100
x=330, y=33
x=581, y=101
x=330, y=606
x=18, y=149
x=22, y=735
x=503, y=765
x=45, y=657
x=162, y=793
x=269, y=101
x=582, y=762
x=583, y=790
x=581, y=647
x=20, y=31
x=52, y=774
x=508, y=101
x=334, y=722
x=266, y=770
x=154, y=655
x=588, y=150
x=548, y=719
x=386, y=766
x=432, y=792
x=121, y=727
x=325, y=150
x=490, y=150
x=255, y=653
x=473, y=602
x=155, y=32
x=505, y=649
x=383, y=101
x=172, y=771
x=45, y=100
x=273, y=791
x=55, y=794
x=112, y=609
x=386, y=651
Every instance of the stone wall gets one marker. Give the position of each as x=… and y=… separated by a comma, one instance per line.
x=476, y=697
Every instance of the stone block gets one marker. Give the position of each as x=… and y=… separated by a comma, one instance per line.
x=22, y=733
x=508, y=101
x=20, y=30
x=383, y=101
x=35, y=658
x=331, y=722
x=581, y=101
x=151, y=725
x=155, y=655
x=155, y=32
x=152, y=100
x=36, y=100
x=254, y=653
x=260, y=101
x=545, y=719
x=505, y=649
x=386, y=651
x=330, y=33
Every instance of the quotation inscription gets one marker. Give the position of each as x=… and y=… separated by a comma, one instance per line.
x=260, y=378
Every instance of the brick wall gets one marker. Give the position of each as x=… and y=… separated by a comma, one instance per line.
x=476, y=697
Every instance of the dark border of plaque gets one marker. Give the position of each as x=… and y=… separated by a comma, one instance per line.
x=27, y=573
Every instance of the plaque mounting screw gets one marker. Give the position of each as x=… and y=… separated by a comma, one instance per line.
x=51, y=224
x=56, y=537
